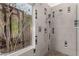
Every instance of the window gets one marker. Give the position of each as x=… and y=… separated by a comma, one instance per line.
x=15, y=27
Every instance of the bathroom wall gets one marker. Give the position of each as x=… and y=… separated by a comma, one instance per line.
x=41, y=28
x=65, y=31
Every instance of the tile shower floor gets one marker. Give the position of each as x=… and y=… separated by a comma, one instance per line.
x=55, y=53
